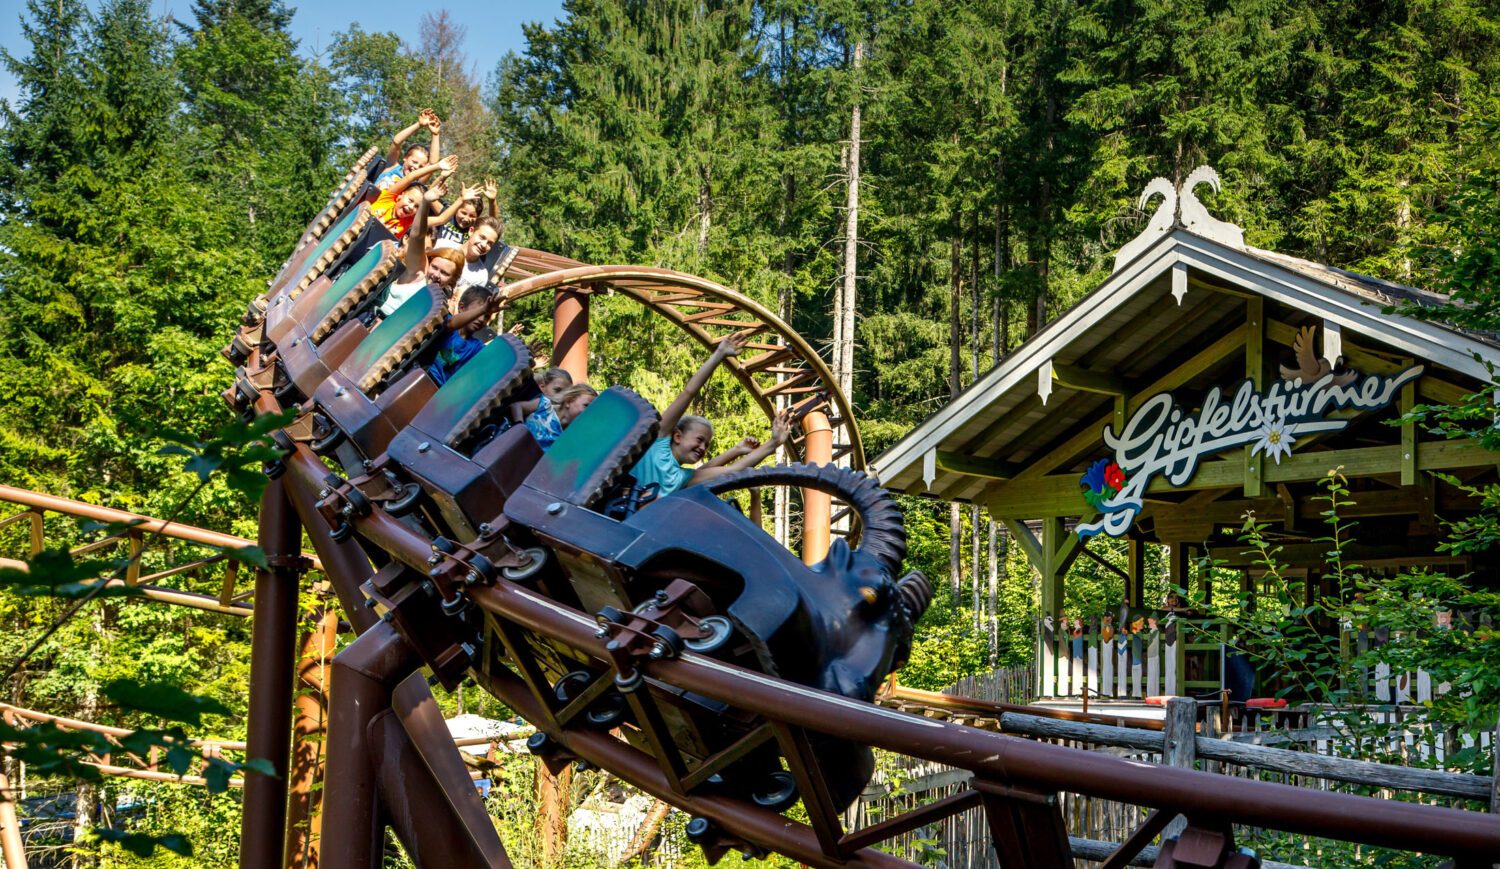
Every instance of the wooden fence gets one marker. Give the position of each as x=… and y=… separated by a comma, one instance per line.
x=1172, y=655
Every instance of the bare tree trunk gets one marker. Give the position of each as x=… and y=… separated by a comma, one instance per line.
x=782, y=504
x=705, y=208
x=955, y=378
x=640, y=844
x=844, y=354
x=554, y=793
x=86, y=797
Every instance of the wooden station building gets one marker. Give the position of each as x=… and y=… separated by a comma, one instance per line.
x=1202, y=380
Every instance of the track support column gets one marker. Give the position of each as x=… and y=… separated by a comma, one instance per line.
x=817, y=507
x=364, y=675
x=570, y=332
x=272, y=649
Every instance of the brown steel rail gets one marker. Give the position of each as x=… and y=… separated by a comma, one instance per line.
x=1012, y=776
x=779, y=365
x=228, y=602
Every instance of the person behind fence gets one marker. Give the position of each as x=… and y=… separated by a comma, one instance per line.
x=551, y=417
x=666, y=462
x=416, y=155
x=459, y=344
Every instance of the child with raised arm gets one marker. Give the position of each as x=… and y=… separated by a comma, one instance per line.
x=438, y=268
x=416, y=156
x=666, y=461
x=396, y=206
x=459, y=345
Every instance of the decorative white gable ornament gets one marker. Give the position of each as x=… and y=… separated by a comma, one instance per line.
x=1180, y=207
x=1168, y=438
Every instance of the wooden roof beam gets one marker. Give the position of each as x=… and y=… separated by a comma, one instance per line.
x=1230, y=343
x=972, y=466
x=1058, y=495
x=1083, y=380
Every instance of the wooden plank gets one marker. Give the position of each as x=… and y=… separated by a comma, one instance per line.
x=1084, y=380
x=1364, y=772
x=1179, y=746
x=1153, y=665
x=1255, y=370
x=972, y=466
x=1107, y=667
x=1408, y=437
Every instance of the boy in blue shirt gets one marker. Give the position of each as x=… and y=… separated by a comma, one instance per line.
x=458, y=345
x=665, y=461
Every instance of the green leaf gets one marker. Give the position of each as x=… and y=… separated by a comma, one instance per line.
x=252, y=555
x=143, y=844
x=163, y=701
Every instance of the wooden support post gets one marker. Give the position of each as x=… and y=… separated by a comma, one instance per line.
x=1179, y=746
x=1177, y=565
x=1052, y=578
x=1255, y=334
x=1136, y=555
x=36, y=532
x=1408, y=434
x=554, y=795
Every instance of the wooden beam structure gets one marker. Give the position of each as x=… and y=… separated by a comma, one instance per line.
x=1059, y=495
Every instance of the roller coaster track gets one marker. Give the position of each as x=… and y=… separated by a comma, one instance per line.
x=492, y=603
x=781, y=368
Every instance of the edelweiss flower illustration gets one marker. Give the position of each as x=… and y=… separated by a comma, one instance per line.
x=1275, y=440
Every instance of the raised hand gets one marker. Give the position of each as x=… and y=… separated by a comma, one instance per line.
x=427, y=117
x=491, y=189
x=746, y=446
x=731, y=346
x=781, y=427
x=516, y=329
x=469, y=191
x=436, y=192
x=448, y=165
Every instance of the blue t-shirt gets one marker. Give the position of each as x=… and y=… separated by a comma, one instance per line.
x=544, y=424
x=385, y=179
x=453, y=351
x=659, y=466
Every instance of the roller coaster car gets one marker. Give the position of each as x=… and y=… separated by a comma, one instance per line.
x=452, y=449
x=356, y=356
x=695, y=571
x=357, y=186
x=327, y=302
x=344, y=244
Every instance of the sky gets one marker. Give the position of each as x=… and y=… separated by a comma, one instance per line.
x=493, y=28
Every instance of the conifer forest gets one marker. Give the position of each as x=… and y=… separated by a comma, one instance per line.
x=917, y=186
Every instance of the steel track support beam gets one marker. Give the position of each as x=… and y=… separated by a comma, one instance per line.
x=272, y=653
x=364, y=675
x=570, y=332
x=817, y=507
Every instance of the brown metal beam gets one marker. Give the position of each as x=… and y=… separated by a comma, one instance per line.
x=273, y=640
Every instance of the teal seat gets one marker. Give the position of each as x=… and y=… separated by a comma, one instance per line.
x=597, y=448
x=397, y=338
x=478, y=389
